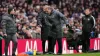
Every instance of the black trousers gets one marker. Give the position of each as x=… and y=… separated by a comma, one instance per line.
x=10, y=37
x=59, y=40
x=85, y=41
x=43, y=46
x=52, y=42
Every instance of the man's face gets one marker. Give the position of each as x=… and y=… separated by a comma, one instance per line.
x=49, y=11
x=1, y=9
x=87, y=12
x=4, y=10
x=45, y=9
x=13, y=12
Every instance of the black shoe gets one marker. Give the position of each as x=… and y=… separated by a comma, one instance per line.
x=84, y=51
x=45, y=52
x=59, y=53
x=50, y=52
x=13, y=55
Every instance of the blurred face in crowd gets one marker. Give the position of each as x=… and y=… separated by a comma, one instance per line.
x=25, y=5
x=37, y=8
x=18, y=16
x=87, y=11
x=45, y=8
x=4, y=10
x=1, y=9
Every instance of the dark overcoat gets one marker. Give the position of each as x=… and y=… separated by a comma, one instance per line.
x=45, y=29
x=55, y=19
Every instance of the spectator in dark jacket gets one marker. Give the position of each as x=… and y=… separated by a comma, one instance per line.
x=88, y=23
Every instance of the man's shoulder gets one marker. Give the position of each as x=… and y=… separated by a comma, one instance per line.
x=58, y=12
x=42, y=13
x=55, y=11
x=92, y=16
x=5, y=17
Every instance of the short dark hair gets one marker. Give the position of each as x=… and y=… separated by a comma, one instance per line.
x=10, y=8
x=89, y=8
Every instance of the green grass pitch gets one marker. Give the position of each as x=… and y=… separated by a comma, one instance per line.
x=78, y=54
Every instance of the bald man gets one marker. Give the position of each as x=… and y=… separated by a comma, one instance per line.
x=56, y=33
x=44, y=24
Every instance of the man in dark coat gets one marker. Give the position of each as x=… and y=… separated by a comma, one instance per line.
x=45, y=26
x=88, y=23
x=9, y=29
x=56, y=32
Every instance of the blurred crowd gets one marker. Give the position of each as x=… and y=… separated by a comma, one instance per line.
x=26, y=17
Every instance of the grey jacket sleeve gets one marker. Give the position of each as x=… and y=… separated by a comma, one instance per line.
x=62, y=17
x=4, y=22
x=39, y=19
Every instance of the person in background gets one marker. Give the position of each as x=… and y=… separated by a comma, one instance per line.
x=9, y=29
x=45, y=26
x=88, y=23
x=56, y=33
